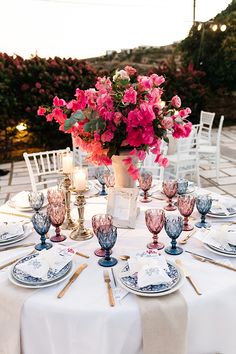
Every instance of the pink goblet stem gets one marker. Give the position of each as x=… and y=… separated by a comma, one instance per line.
x=187, y=226
x=58, y=237
x=170, y=206
x=155, y=244
x=100, y=252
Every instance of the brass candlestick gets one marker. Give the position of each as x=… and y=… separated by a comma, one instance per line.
x=80, y=233
x=68, y=223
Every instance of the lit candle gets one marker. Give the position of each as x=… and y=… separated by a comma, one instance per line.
x=80, y=180
x=67, y=164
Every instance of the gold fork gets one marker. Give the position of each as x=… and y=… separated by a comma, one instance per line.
x=109, y=289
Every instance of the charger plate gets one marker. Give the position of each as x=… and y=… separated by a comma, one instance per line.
x=130, y=283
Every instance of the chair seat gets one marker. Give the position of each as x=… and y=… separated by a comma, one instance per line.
x=207, y=149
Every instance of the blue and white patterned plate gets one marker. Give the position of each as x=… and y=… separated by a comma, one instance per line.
x=232, y=212
x=222, y=251
x=131, y=281
x=26, y=279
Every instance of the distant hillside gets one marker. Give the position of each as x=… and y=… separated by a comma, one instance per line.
x=143, y=58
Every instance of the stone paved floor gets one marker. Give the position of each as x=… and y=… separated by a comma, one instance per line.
x=17, y=180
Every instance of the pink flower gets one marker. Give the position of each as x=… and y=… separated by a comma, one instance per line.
x=91, y=96
x=188, y=129
x=130, y=96
x=182, y=131
x=167, y=123
x=155, y=96
x=147, y=113
x=127, y=160
x=157, y=80
x=81, y=99
x=38, y=85
x=59, y=116
x=161, y=160
x=130, y=70
x=49, y=117
x=41, y=111
x=103, y=83
x=107, y=136
x=73, y=105
x=134, y=172
x=176, y=101
x=59, y=102
x=184, y=113
x=145, y=83
x=118, y=117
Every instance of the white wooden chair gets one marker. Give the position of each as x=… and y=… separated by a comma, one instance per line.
x=206, y=122
x=212, y=152
x=155, y=168
x=185, y=162
x=43, y=167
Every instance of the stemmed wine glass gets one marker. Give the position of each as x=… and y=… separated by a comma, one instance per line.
x=174, y=227
x=101, y=220
x=100, y=178
x=41, y=223
x=55, y=196
x=36, y=200
x=203, y=204
x=57, y=214
x=182, y=186
x=107, y=238
x=145, y=183
x=185, y=203
x=170, y=190
x=109, y=179
x=155, y=219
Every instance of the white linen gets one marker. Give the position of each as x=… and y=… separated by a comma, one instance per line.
x=21, y=199
x=9, y=230
x=82, y=322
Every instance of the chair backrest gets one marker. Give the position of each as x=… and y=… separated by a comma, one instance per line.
x=219, y=132
x=206, y=122
x=43, y=167
x=155, y=168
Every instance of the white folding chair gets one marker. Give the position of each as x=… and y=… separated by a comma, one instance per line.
x=43, y=167
x=212, y=153
x=206, y=122
x=185, y=162
x=155, y=168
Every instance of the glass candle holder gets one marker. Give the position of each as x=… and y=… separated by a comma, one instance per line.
x=101, y=220
x=170, y=190
x=145, y=183
x=203, y=204
x=155, y=219
x=174, y=227
x=107, y=238
x=185, y=205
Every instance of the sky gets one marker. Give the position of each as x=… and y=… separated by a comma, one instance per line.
x=87, y=28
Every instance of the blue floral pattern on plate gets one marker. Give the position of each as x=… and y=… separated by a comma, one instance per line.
x=131, y=281
x=24, y=278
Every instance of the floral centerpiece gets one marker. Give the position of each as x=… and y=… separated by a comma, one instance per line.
x=125, y=113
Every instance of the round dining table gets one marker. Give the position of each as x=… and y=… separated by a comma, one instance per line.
x=83, y=322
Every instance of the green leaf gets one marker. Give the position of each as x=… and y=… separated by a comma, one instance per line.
x=74, y=118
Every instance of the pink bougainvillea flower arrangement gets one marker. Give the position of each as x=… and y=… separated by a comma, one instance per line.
x=123, y=113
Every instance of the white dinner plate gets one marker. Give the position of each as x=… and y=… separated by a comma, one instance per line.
x=218, y=252
x=12, y=204
x=167, y=292
x=220, y=216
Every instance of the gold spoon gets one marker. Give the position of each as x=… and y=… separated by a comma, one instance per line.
x=124, y=257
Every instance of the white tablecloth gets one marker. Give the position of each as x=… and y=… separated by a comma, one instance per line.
x=82, y=322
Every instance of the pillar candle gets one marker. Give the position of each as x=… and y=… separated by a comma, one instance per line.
x=80, y=180
x=67, y=164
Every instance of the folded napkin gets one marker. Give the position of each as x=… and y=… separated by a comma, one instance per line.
x=223, y=205
x=150, y=268
x=53, y=259
x=21, y=199
x=219, y=236
x=10, y=230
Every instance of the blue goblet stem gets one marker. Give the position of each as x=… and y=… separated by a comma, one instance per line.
x=103, y=191
x=107, y=255
x=43, y=245
x=173, y=243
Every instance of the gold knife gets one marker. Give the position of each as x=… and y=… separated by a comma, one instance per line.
x=16, y=214
x=188, y=276
x=109, y=289
x=72, y=279
x=18, y=246
x=210, y=260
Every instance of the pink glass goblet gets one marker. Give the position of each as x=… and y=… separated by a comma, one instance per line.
x=103, y=221
x=185, y=203
x=55, y=196
x=170, y=189
x=155, y=219
x=109, y=179
x=57, y=214
x=145, y=183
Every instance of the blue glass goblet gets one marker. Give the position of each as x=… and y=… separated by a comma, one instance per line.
x=203, y=204
x=41, y=223
x=36, y=200
x=107, y=236
x=100, y=177
x=174, y=227
x=182, y=186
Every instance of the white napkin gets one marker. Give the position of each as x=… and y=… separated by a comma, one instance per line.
x=150, y=269
x=222, y=205
x=217, y=236
x=21, y=199
x=9, y=230
x=53, y=259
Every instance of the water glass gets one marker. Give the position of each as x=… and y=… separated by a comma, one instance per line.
x=170, y=190
x=203, y=204
x=182, y=186
x=101, y=220
x=36, y=200
x=155, y=219
x=57, y=214
x=145, y=183
x=185, y=203
x=109, y=179
x=41, y=223
x=107, y=238
x=100, y=177
x=55, y=196
x=174, y=227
